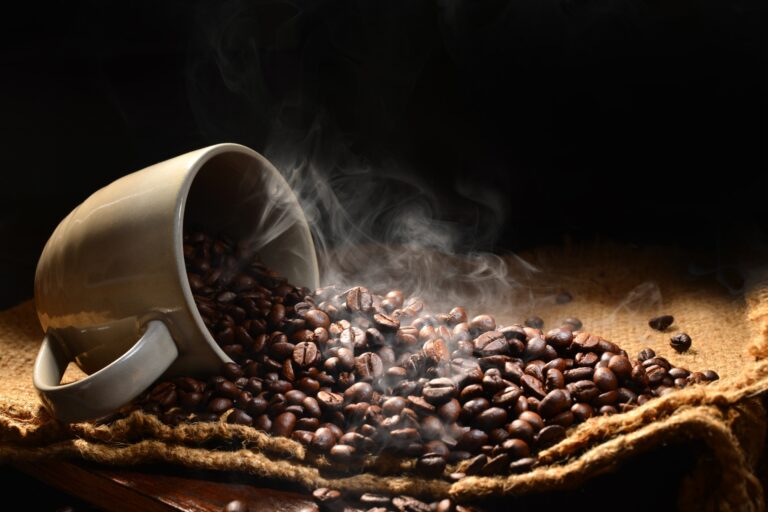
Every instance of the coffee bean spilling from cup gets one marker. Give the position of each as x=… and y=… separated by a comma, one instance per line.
x=349, y=373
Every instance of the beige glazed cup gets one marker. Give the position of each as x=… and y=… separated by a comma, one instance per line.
x=111, y=288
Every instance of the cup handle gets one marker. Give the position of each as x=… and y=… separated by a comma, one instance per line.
x=108, y=389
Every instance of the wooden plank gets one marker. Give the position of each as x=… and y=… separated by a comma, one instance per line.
x=163, y=488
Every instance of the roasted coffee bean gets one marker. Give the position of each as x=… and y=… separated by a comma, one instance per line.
x=342, y=453
x=231, y=371
x=508, y=396
x=559, y=338
x=582, y=411
x=236, y=506
x=516, y=448
x=533, y=386
x=680, y=342
x=554, y=379
x=358, y=392
x=605, y=379
x=164, y=394
x=521, y=465
x=305, y=354
x=239, y=417
x=563, y=297
x=472, y=440
x=554, y=403
x=369, y=366
x=475, y=464
x=620, y=366
x=409, y=504
x=645, y=354
x=578, y=374
x=491, y=418
x=573, y=324
x=330, y=400
x=482, y=323
x=496, y=464
x=430, y=464
x=533, y=419
x=219, y=405
x=439, y=391
x=317, y=318
x=326, y=495
x=534, y=349
x=372, y=499
x=284, y=424
x=661, y=323
x=549, y=436
x=534, y=321
x=521, y=429
x=565, y=419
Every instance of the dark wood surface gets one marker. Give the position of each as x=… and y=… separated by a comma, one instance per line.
x=163, y=488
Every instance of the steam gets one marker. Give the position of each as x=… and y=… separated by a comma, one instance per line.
x=382, y=228
x=373, y=223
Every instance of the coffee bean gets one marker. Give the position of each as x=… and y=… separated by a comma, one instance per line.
x=491, y=418
x=475, y=464
x=533, y=386
x=534, y=321
x=330, y=401
x=323, y=439
x=430, y=465
x=605, y=379
x=326, y=495
x=239, y=417
x=219, y=405
x=409, y=504
x=358, y=392
x=661, y=323
x=535, y=348
x=496, y=464
x=305, y=354
x=284, y=424
x=680, y=342
x=573, y=324
x=563, y=297
x=482, y=323
x=549, y=436
x=554, y=403
x=472, y=440
x=582, y=411
x=532, y=418
x=521, y=465
x=236, y=506
x=646, y=353
x=439, y=391
x=369, y=366
x=342, y=453
x=508, y=396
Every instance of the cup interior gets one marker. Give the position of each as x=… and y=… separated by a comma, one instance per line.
x=239, y=193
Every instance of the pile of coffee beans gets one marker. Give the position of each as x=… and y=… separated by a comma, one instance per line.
x=349, y=372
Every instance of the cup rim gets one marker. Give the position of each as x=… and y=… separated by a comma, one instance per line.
x=178, y=228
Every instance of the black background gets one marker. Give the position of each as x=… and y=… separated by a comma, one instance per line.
x=528, y=121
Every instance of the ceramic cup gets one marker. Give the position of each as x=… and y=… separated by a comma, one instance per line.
x=111, y=288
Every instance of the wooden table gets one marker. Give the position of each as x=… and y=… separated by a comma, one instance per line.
x=165, y=488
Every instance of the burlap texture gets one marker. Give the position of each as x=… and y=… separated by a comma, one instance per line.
x=615, y=291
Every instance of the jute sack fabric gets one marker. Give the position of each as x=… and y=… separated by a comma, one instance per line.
x=615, y=290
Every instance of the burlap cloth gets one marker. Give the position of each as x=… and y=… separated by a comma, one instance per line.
x=615, y=291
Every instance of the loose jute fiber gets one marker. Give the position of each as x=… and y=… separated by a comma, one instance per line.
x=615, y=291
